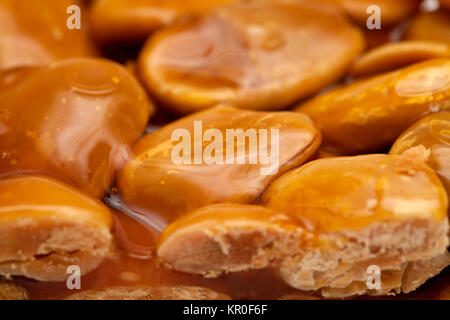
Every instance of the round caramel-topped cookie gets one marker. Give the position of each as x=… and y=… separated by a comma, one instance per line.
x=220, y=155
x=36, y=33
x=133, y=20
x=257, y=55
x=395, y=55
x=368, y=115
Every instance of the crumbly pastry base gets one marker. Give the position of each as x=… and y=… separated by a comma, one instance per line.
x=12, y=291
x=44, y=252
x=335, y=264
x=149, y=293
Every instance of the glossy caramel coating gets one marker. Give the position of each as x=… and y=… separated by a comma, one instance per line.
x=152, y=182
x=134, y=20
x=392, y=12
x=35, y=33
x=382, y=209
x=395, y=55
x=324, y=224
x=368, y=115
x=430, y=26
x=73, y=120
x=354, y=192
x=257, y=54
x=46, y=226
x=432, y=132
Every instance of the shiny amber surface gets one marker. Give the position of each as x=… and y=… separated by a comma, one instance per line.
x=254, y=60
x=35, y=33
x=368, y=115
x=445, y=3
x=432, y=132
x=46, y=225
x=430, y=26
x=152, y=182
x=73, y=120
x=395, y=55
x=134, y=20
x=257, y=54
x=354, y=192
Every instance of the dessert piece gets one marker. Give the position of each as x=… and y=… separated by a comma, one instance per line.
x=368, y=115
x=433, y=133
x=258, y=54
x=430, y=26
x=11, y=291
x=149, y=293
x=391, y=12
x=47, y=226
x=134, y=20
x=395, y=55
x=325, y=224
x=73, y=120
x=36, y=33
x=229, y=238
x=382, y=210
x=220, y=155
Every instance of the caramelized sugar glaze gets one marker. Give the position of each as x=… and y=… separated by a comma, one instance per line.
x=138, y=223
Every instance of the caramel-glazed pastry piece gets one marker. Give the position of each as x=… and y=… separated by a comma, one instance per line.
x=134, y=20
x=433, y=133
x=229, y=238
x=368, y=115
x=72, y=120
x=395, y=55
x=256, y=54
x=231, y=163
x=149, y=293
x=11, y=291
x=383, y=210
x=36, y=33
x=391, y=12
x=46, y=226
x=430, y=26
x=324, y=225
